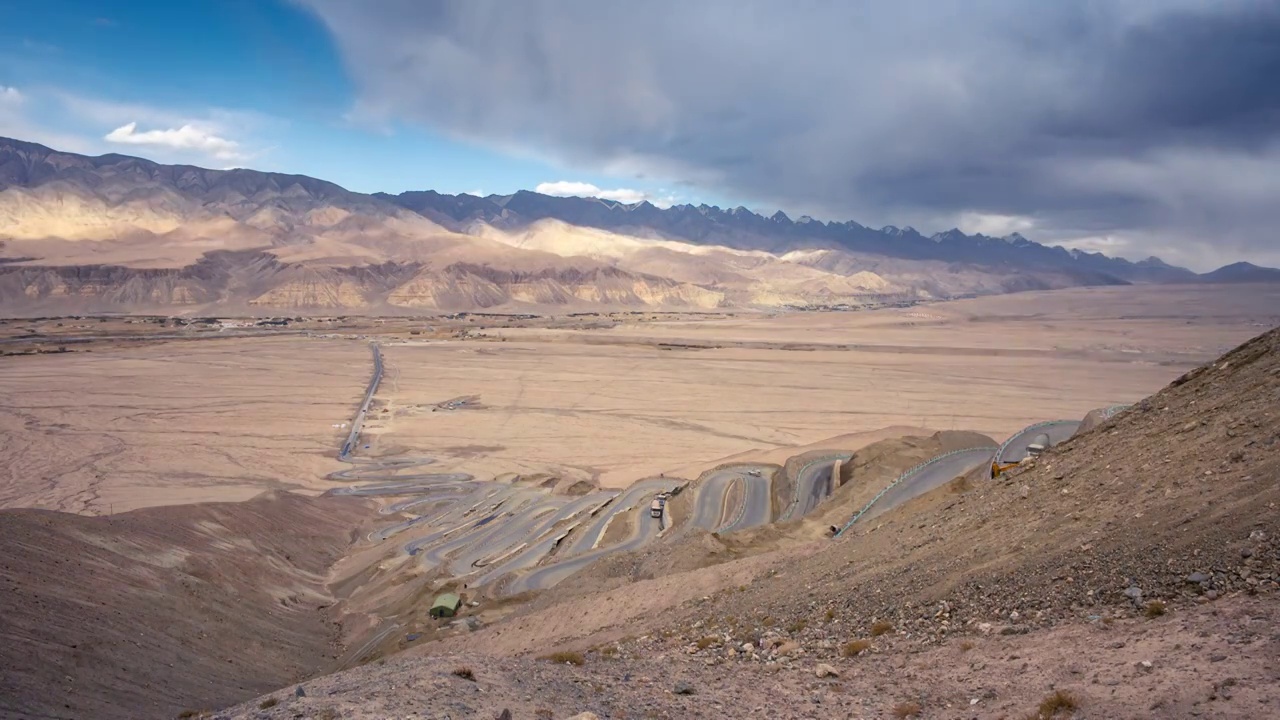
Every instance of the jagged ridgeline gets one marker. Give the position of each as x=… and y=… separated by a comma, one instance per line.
x=117, y=233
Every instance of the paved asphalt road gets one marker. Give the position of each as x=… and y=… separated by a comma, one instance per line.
x=646, y=529
x=434, y=512
x=496, y=529
x=535, y=515
x=929, y=477
x=710, y=511
x=1015, y=448
x=813, y=485
x=353, y=438
x=757, y=506
x=412, y=485
x=542, y=539
x=514, y=512
x=639, y=493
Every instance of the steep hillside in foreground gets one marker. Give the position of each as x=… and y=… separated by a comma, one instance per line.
x=1135, y=568
x=149, y=613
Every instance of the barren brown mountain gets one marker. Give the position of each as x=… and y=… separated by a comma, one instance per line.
x=115, y=233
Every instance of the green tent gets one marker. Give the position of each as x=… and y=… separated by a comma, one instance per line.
x=446, y=605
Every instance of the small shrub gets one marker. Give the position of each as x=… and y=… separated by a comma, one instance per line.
x=881, y=627
x=565, y=656
x=609, y=651
x=268, y=703
x=543, y=714
x=465, y=673
x=854, y=647
x=1156, y=608
x=707, y=642
x=906, y=709
x=966, y=646
x=797, y=626
x=185, y=714
x=767, y=621
x=328, y=714
x=1060, y=701
x=831, y=614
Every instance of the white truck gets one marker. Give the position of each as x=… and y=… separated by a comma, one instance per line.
x=1038, y=444
x=655, y=508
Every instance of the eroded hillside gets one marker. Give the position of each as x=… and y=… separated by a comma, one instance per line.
x=149, y=613
x=123, y=234
x=1134, y=568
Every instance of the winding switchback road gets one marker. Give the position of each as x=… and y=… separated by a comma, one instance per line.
x=749, y=484
x=639, y=493
x=1015, y=448
x=930, y=477
x=646, y=529
x=814, y=483
x=757, y=505
x=508, y=534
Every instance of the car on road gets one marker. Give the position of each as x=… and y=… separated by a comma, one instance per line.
x=656, y=507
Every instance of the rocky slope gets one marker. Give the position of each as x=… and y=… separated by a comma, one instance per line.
x=149, y=613
x=1206, y=663
x=1135, y=568
x=121, y=234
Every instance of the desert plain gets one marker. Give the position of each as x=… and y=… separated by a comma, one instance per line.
x=112, y=426
x=219, y=548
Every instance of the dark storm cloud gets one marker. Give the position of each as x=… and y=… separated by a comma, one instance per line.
x=1153, y=121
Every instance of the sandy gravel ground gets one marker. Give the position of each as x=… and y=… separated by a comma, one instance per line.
x=152, y=424
x=1210, y=662
x=173, y=423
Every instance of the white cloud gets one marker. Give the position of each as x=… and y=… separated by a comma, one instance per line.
x=994, y=225
x=567, y=188
x=209, y=136
x=187, y=137
x=976, y=106
x=570, y=188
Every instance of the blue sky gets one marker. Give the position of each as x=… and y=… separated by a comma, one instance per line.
x=1132, y=127
x=239, y=83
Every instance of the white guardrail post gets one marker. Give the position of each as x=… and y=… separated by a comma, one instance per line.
x=899, y=479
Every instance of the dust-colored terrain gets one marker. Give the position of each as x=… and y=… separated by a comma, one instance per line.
x=160, y=610
x=1048, y=551
x=1207, y=662
x=1131, y=572
x=112, y=425
x=679, y=396
x=178, y=422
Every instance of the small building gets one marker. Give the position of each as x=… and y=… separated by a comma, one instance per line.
x=446, y=605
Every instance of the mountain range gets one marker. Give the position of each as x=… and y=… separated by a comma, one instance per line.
x=119, y=233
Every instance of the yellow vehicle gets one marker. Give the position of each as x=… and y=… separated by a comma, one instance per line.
x=997, y=468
